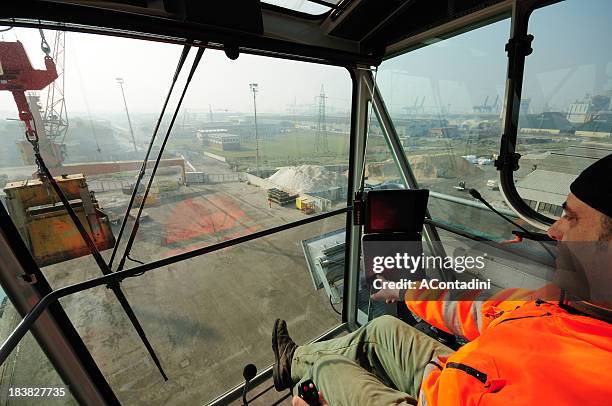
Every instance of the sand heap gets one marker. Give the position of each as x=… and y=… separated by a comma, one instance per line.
x=442, y=166
x=307, y=178
x=426, y=167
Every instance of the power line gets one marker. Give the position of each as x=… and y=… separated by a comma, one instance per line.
x=321, y=144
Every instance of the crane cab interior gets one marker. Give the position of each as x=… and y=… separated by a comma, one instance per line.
x=190, y=171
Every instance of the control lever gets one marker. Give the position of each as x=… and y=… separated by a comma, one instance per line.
x=532, y=236
x=248, y=373
x=309, y=392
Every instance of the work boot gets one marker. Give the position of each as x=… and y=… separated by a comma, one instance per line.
x=283, y=347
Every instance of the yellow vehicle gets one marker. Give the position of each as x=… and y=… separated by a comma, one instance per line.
x=301, y=201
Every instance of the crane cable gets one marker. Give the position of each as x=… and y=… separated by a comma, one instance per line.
x=143, y=168
x=132, y=236
x=45, y=175
x=86, y=102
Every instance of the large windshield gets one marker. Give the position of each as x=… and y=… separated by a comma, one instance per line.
x=565, y=119
x=445, y=100
x=258, y=143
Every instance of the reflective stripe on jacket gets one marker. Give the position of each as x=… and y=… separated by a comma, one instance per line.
x=521, y=353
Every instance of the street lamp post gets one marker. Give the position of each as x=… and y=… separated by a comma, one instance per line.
x=254, y=89
x=120, y=81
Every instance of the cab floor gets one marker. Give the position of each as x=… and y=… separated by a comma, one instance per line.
x=265, y=395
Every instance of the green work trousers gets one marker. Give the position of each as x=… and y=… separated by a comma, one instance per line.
x=381, y=363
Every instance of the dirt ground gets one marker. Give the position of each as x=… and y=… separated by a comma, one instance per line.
x=206, y=317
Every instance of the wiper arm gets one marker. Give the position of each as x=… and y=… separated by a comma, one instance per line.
x=100, y=261
x=130, y=242
x=107, y=269
x=532, y=236
x=143, y=169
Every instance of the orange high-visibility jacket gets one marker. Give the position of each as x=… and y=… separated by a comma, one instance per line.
x=521, y=353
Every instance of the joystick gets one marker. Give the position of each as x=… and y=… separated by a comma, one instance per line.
x=309, y=392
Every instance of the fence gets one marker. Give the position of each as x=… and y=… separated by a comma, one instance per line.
x=215, y=156
x=107, y=185
x=211, y=178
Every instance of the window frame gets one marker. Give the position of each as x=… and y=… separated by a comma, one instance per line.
x=69, y=356
x=85, y=19
x=519, y=20
x=49, y=299
x=518, y=48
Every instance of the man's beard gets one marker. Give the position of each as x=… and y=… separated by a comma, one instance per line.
x=584, y=270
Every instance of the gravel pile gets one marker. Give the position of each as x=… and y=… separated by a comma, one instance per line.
x=307, y=178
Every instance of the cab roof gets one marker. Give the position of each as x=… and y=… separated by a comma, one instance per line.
x=350, y=32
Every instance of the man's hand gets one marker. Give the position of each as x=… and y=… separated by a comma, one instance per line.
x=298, y=401
x=386, y=295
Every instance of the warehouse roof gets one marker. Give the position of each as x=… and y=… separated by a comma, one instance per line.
x=589, y=152
x=572, y=160
x=546, y=120
x=545, y=186
x=222, y=135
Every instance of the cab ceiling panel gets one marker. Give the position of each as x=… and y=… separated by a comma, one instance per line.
x=247, y=25
x=377, y=24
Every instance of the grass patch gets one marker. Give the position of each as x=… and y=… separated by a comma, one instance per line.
x=292, y=148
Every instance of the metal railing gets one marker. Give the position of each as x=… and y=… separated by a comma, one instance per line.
x=29, y=319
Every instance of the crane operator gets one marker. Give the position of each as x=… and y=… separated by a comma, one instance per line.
x=521, y=351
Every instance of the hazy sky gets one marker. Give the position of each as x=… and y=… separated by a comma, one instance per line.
x=571, y=57
x=302, y=5
x=93, y=62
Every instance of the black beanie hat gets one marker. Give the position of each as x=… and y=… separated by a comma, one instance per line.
x=594, y=186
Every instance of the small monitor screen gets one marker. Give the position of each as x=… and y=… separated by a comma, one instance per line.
x=395, y=210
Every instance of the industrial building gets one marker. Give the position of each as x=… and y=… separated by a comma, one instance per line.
x=221, y=141
x=572, y=159
x=581, y=112
x=444, y=132
x=245, y=128
x=599, y=127
x=548, y=123
x=545, y=188
x=590, y=117
x=545, y=191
